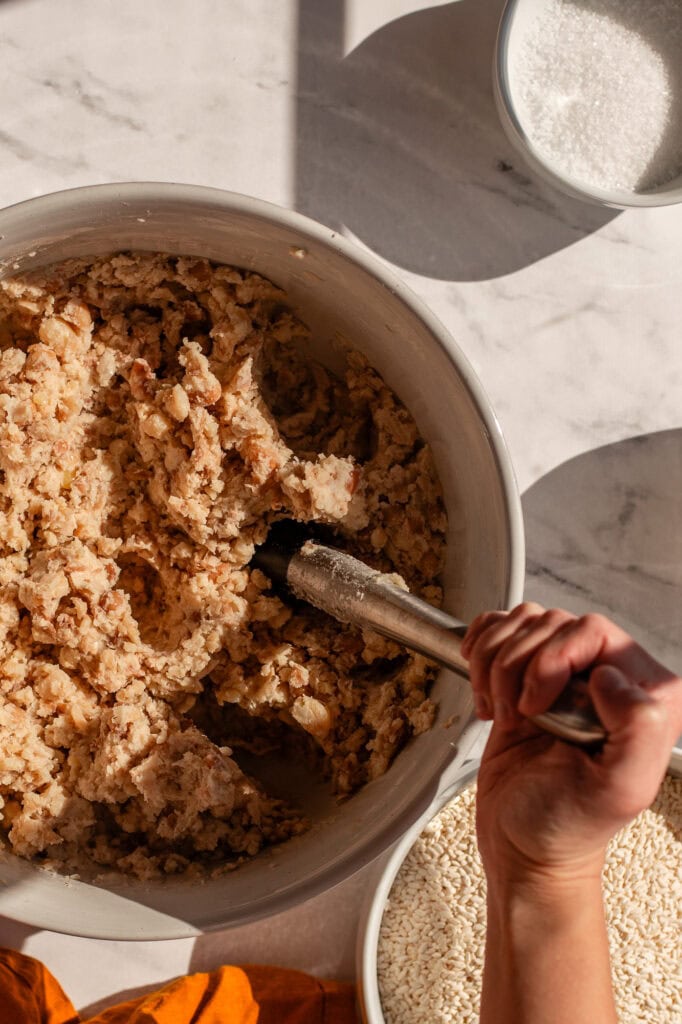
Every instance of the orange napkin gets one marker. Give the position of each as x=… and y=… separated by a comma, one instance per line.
x=231, y=995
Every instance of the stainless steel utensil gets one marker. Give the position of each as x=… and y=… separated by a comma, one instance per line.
x=349, y=590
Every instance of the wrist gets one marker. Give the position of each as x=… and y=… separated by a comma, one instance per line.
x=546, y=931
x=543, y=883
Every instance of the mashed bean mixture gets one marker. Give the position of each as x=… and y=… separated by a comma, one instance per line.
x=156, y=417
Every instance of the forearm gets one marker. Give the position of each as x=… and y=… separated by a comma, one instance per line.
x=547, y=957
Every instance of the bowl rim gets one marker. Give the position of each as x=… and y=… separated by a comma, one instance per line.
x=369, y=926
x=620, y=199
x=141, y=192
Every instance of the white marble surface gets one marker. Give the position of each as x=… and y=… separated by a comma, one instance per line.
x=378, y=118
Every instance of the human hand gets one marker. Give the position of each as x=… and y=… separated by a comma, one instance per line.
x=547, y=808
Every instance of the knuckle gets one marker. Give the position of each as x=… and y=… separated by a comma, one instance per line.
x=527, y=609
x=556, y=617
x=483, y=621
x=594, y=622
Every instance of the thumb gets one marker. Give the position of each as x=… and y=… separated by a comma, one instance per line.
x=616, y=698
x=638, y=741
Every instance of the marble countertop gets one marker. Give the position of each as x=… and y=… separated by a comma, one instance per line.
x=378, y=119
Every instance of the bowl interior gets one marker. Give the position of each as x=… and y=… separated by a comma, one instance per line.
x=346, y=299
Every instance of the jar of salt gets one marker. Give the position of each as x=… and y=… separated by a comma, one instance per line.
x=593, y=91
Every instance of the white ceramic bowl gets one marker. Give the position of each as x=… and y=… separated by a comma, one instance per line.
x=517, y=19
x=369, y=929
x=373, y=913
x=342, y=293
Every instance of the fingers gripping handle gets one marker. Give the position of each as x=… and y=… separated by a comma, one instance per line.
x=353, y=592
x=572, y=716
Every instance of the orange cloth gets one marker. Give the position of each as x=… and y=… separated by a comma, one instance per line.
x=231, y=995
x=291, y=997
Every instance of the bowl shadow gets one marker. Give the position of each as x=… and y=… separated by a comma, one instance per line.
x=604, y=534
x=299, y=938
x=400, y=143
x=13, y=934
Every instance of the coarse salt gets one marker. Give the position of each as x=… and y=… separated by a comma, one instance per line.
x=598, y=87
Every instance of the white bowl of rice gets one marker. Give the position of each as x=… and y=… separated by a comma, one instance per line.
x=421, y=944
x=159, y=395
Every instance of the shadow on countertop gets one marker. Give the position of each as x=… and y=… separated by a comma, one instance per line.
x=604, y=533
x=317, y=937
x=13, y=934
x=400, y=142
x=297, y=938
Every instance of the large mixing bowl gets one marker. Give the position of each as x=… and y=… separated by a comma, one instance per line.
x=344, y=295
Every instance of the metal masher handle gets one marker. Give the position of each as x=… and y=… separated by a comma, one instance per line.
x=349, y=590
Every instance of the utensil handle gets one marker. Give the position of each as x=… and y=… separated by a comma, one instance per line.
x=349, y=590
